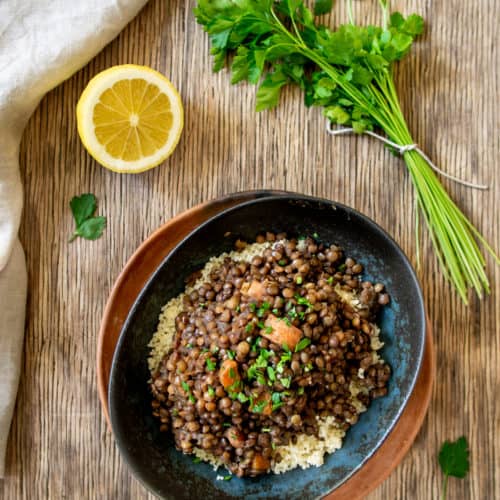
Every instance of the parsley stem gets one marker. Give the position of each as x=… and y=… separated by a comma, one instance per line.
x=349, y=12
x=445, y=487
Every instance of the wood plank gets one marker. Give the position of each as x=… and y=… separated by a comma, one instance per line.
x=59, y=445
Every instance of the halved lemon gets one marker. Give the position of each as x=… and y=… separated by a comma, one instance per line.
x=130, y=118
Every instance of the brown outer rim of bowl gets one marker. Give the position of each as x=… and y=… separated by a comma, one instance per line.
x=386, y=457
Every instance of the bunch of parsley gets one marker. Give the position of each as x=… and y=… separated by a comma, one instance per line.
x=348, y=72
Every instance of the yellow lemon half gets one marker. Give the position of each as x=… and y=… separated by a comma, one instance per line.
x=130, y=118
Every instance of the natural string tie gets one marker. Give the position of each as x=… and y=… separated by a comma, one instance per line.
x=402, y=149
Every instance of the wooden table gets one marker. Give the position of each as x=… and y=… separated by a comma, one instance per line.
x=60, y=446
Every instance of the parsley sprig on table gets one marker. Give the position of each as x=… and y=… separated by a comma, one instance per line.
x=87, y=226
x=454, y=461
x=349, y=73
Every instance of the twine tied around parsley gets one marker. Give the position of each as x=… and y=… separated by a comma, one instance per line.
x=401, y=150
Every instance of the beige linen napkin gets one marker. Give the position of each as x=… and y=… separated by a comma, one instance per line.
x=42, y=42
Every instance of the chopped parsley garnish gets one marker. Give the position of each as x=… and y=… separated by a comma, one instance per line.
x=226, y=424
x=276, y=400
x=330, y=280
x=261, y=325
x=308, y=367
x=269, y=329
x=301, y=238
x=242, y=397
x=227, y=478
x=255, y=346
x=273, y=446
x=271, y=373
x=300, y=391
x=210, y=365
x=299, y=280
x=252, y=306
x=286, y=381
x=259, y=407
x=187, y=389
x=275, y=312
x=215, y=350
x=265, y=429
x=205, y=350
x=263, y=308
x=302, y=301
x=292, y=313
x=211, y=391
x=202, y=305
x=175, y=412
x=234, y=386
x=230, y=354
x=196, y=460
x=249, y=328
x=315, y=236
x=302, y=344
x=232, y=373
x=189, y=346
x=282, y=262
x=341, y=268
x=237, y=308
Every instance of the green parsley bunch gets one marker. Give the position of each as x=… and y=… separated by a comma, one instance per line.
x=348, y=72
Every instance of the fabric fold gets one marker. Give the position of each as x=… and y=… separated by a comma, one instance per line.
x=42, y=43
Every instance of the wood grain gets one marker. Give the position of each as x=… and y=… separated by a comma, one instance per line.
x=59, y=445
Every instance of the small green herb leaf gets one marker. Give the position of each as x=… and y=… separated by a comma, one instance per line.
x=286, y=381
x=454, y=458
x=269, y=91
x=87, y=226
x=322, y=7
x=211, y=365
x=302, y=344
x=242, y=398
x=83, y=207
x=454, y=461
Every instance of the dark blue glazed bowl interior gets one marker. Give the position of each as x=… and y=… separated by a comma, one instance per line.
x=151, y=454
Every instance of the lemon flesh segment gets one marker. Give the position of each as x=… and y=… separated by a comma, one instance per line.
x=130, y=118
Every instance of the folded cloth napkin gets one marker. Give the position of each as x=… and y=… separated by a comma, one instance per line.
x=42, y=42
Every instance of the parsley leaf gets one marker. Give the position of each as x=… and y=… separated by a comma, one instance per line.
x=322, y=7
x=87, y=226
x=269, y=91
x=211, y=365
x=303, y=343
x=454, y=460
x=83, y=207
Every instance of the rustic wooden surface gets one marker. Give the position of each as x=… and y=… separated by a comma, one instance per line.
x=60, y=446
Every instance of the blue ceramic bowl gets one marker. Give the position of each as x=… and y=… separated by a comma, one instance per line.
x=151, y=454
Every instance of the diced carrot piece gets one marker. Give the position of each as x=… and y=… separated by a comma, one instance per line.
x=257, y=290
x=282, y=333
x=235, y=437
x=228, y=373
x=260, y=463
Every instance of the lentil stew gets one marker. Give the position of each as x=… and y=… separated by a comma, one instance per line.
x=265, y=350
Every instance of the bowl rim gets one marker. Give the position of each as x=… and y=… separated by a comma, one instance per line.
x=290, y=196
